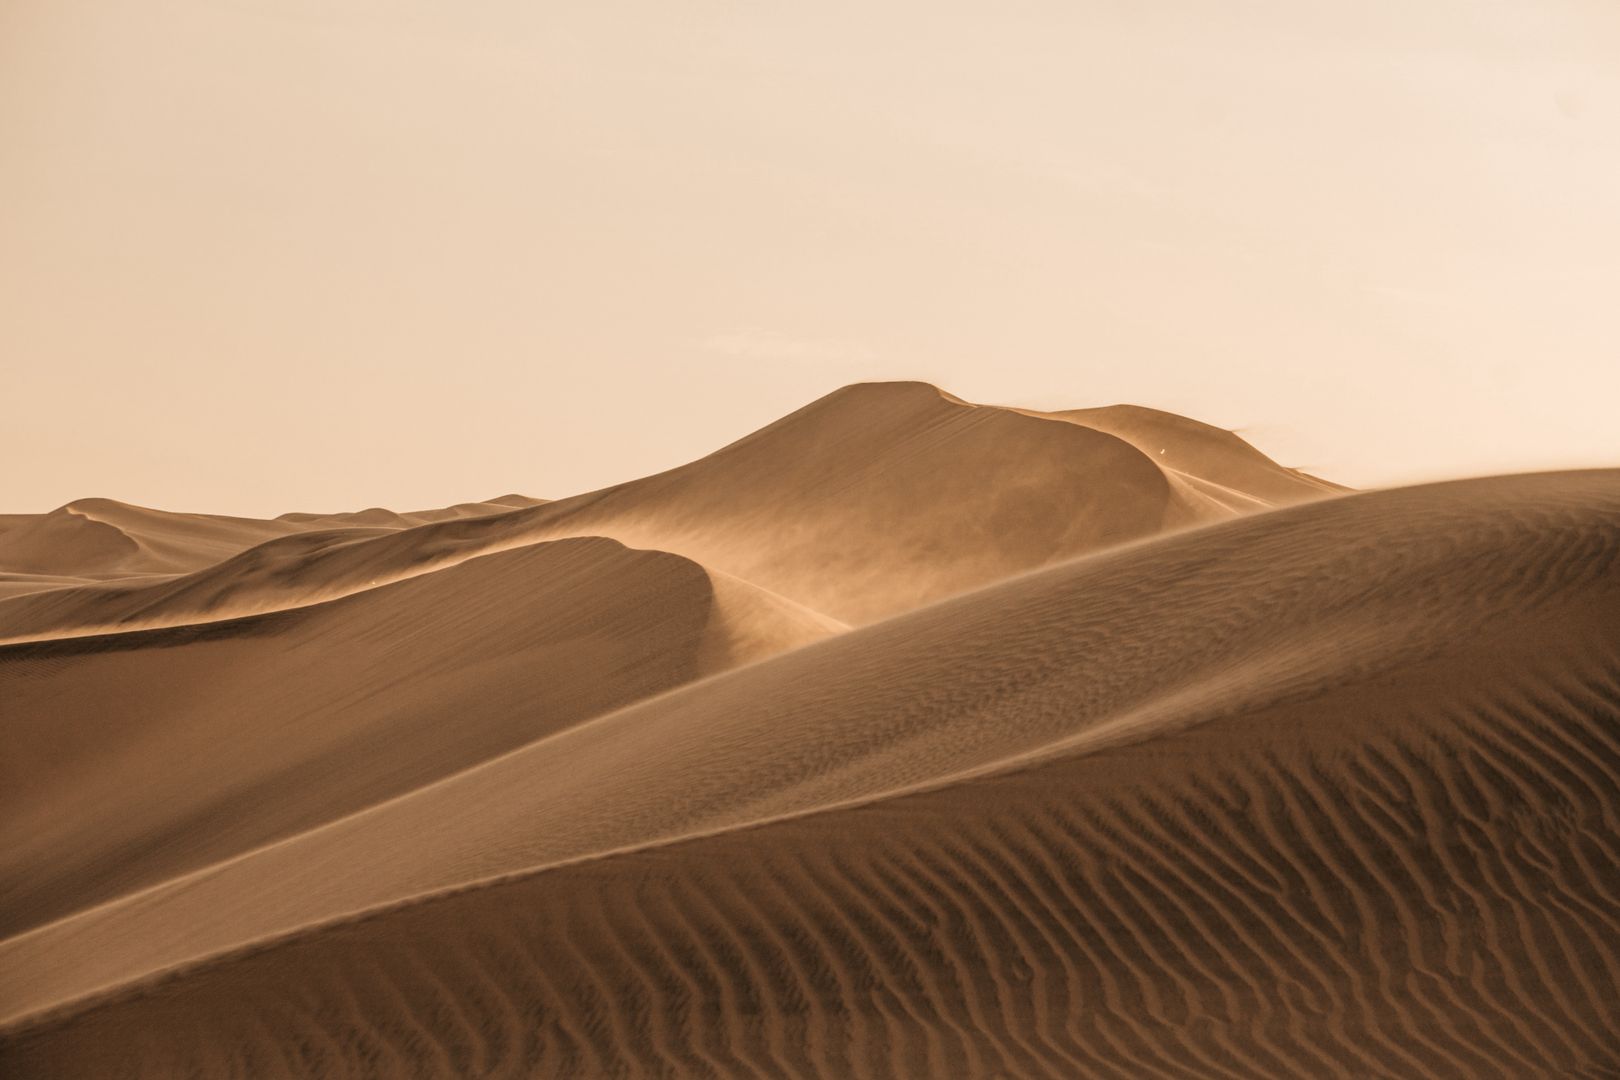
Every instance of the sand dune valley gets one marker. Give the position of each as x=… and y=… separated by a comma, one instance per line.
x=904, y=737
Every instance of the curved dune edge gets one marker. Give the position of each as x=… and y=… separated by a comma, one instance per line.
x=873, y=500
x=268, y=726
x=1399, y=581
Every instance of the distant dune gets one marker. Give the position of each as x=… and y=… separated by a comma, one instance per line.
x=871, y=501
x=96, y=538
x=902, y=738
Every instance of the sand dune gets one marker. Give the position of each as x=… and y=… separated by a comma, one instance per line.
x=378, y=515
x=885, y=496
x=1210, y=461
x=260, y=727
x=96, y=564
x=101, y=538
x=1326, y=791
x=869, y=502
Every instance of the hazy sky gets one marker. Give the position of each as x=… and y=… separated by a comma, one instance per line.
x=262, y=255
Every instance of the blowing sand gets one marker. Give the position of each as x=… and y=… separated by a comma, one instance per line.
x=903, y=738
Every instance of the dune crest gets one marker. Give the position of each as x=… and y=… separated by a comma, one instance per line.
x=262, y=727
x=871, y=501
x=882, y=497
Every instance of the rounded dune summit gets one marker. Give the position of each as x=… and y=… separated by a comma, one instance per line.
x=873, y=500
x=884, y=496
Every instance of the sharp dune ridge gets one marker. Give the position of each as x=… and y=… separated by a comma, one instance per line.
x=902, y=738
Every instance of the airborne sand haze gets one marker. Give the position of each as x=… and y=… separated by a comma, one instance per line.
x=904, y=737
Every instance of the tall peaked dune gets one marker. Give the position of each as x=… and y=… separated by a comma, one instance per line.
x=873, y=500
x=884, y=496
x=879, y=498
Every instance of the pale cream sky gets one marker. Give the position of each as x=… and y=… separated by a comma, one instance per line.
x=263, y=255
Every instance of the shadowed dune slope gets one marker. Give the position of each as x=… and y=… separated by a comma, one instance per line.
x=132, y=758
x=871, y=501
x=1330, y=791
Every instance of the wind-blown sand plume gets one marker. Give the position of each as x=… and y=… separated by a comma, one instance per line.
x=876, y=499
x=1329, y=791
x=257, y=728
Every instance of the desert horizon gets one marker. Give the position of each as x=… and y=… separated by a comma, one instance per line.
x=273, y=255
x=620, y=540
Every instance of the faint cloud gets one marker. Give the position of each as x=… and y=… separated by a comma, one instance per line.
x=768, y=346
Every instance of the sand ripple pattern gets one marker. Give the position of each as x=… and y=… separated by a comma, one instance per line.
x=1330, y=792
x=1440, y=900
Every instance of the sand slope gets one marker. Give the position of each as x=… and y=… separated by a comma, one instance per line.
x=881, y=497
x=98, y=564
x=874, y=500
x=100, y=539
x=1326, y=791
x=1212, y=462
x=184, y=746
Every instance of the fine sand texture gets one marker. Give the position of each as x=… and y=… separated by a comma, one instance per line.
x=961, y=741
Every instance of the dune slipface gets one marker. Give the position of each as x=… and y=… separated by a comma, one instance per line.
x=1174, y=768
